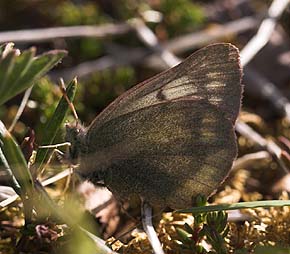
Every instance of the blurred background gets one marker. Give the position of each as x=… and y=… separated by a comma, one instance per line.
x=112, y=59
x=111, y=48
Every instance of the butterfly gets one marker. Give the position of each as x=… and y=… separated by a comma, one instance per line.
x=169, y=138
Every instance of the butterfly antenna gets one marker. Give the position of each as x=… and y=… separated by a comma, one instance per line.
x=72, y=107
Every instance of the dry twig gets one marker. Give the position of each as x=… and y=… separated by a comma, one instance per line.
x=218, y=32
x=264, y=32
x=124, y=56
x=249, y=159
x=149, y=229
x=267, y=89
x=246, y=131
x=46, y=182
x=21, y=108
x=52, y=33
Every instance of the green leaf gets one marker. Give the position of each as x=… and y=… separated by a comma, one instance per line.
x=42, y=64
x=19, y=71
x=188, y=228
x=21, y=66
x=15, y=161
x=69, y=215
x=184, y=236
x=6, y=67
x=54, y=124
x=5, y=167
x=236, y=206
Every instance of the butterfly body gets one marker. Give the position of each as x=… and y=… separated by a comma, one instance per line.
x=171, y=137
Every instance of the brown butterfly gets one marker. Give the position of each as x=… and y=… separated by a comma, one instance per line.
x=169, y=138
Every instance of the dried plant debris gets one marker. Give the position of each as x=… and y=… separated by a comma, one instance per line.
x=256, y=174
x=266, y=227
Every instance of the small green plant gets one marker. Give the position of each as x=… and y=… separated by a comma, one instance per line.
x=209, y=227
x=19, y=71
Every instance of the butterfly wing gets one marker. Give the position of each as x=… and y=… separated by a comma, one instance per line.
x=170, y=137
x=212, y=73
x=165, y=153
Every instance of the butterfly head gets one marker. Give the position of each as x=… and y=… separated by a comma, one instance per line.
x=75, y=133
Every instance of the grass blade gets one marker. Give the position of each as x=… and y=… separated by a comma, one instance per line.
x=19, y=168
x=5, y=167
x=54, y=124
x=15, y=161
x=236, y=206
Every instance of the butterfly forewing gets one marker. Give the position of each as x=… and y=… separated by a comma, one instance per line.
x=212, y=73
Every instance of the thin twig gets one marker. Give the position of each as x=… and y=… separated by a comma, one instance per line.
x=124, y=56
x=269, y=91
x=246, y=131
x=248, y=52
x=206, y=36
x=21, y=108
x=52, y=33
x=69, y=102
x=57, y=177
x=266, y=88
x=146, y=210
x=264, y=32
x=86, y=69
x=8, y=201
x=101, y=247
x=249, y=159
x=149, y=38
x=46, y=182
x=55, y=146
x=6, y=192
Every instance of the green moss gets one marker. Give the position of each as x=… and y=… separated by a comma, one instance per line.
x=101, y=89
x=70, y=14
x=181, y=15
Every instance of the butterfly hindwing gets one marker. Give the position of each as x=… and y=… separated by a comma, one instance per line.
x=165, y=153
